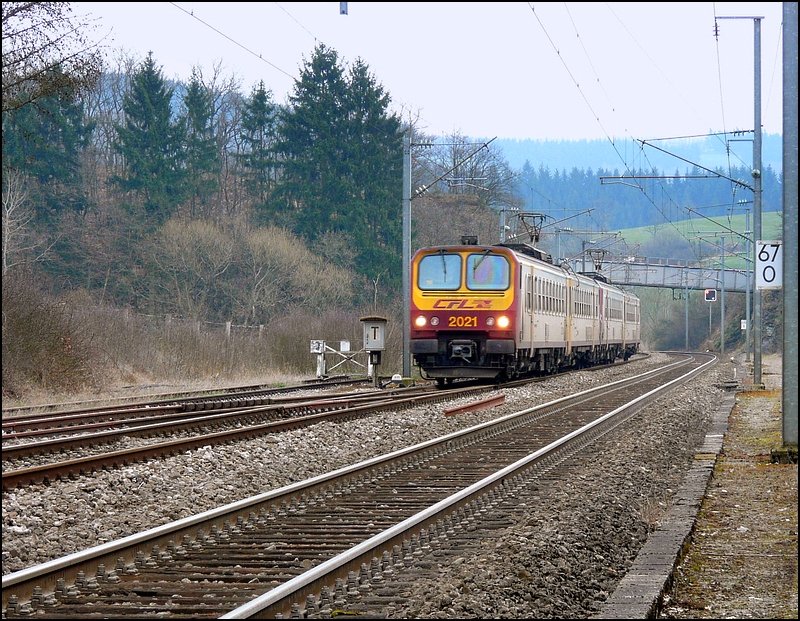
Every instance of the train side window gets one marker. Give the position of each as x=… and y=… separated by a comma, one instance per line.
x=538, y=294
x=439, y=272
x=547, y=296
x=542, y=300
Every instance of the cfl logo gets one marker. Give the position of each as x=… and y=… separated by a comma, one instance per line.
x=446, y=304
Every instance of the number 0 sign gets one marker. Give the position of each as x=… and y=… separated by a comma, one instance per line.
x=769, y=264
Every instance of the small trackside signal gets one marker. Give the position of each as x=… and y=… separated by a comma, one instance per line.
x=711, y=295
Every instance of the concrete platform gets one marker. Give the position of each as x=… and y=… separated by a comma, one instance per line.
x=640, y=593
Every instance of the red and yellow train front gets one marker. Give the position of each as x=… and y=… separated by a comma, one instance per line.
x=463, y=311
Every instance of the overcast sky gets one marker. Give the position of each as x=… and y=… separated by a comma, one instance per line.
x=552, y=71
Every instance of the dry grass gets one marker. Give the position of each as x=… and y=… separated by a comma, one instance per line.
x=743, y=559
x=114, y=354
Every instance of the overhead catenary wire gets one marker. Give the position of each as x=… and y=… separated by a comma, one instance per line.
x=234, y=41
x=665, y=192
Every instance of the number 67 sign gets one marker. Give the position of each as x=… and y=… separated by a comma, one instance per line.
x=769, y=264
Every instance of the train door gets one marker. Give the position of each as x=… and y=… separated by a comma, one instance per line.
x=570, y=311
x=594, y=294
x=601, y=312
x=526, y=315
x=624, y=320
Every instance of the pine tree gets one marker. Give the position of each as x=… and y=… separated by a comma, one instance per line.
x=312, y=145
x=374, y=156
x=45, y=140
x=152, y=145
x=342, y=162
x=201, y=156
x=258, y=134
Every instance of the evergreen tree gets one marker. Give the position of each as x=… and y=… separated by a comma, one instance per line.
x=342, y=162
x=201, y=157
x=152, y=145
x=45, y=140
x=258, y=133
x=312, y=145
x=374, y=147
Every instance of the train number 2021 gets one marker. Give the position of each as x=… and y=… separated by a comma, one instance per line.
x=462, y=322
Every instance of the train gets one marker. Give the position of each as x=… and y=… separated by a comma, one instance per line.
x=505, y=311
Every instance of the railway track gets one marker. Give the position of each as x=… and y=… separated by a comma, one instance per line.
x=37, y=450
x=69, y=419
x=43, y=436
x=275, y=417
x=336, y=537
x=18, y=419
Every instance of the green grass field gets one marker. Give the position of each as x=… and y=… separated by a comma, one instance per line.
x=708, y=229
x=771, y=227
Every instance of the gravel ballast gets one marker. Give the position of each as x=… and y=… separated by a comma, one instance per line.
x=567, y=550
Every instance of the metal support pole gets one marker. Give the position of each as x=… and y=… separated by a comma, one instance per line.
x=756, y=198
x=722, y=303
x=583, y=254
x=558, y=246
x=789, y=376
x=749, y=280
x=709, y=322
x=686, y=311
x=407, y=253
x=756, y=172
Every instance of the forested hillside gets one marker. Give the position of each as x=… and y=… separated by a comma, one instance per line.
x=178, y=198
x=715, y=151
x=622, y=199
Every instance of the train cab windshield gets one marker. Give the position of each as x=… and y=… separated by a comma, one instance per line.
x=487, y=272
x=440, y=272
x=484, y=272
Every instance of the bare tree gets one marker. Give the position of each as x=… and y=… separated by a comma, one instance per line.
x=269, y=256
x=103, y=106
x=318, y=284
x=481, y=172
x=278, y=271
x=193, y=256
x=444, y=218
x=17, y=214
x=45, y=51
x=227, y=104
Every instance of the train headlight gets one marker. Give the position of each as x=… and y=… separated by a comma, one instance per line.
x=490, y=321
x=420, y=321
x=434, y=321
x=503, y=322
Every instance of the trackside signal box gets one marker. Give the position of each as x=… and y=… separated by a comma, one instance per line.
x=374, y=333
x=374, y=343
x=711, y=295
